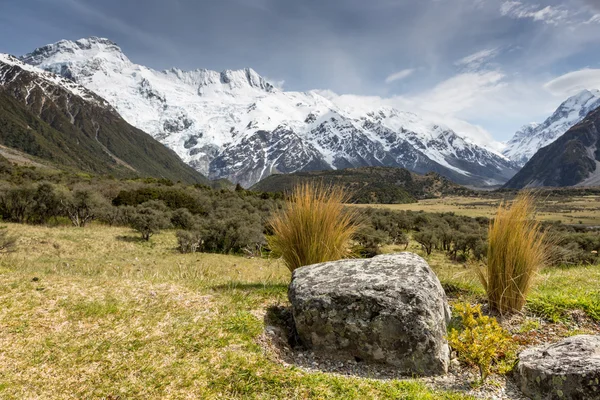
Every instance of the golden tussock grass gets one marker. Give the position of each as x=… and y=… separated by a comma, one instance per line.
x=315, y=226
x=517, y=250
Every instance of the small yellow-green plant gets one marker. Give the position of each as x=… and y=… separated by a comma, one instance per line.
x=314, y=227
x=481, y=341
x=517, y=250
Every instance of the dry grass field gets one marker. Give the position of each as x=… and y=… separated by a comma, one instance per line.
x=569, y=210
x=96, y=313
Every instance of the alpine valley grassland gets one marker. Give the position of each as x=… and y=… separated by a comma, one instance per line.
x=569, y=209
x=96, y=312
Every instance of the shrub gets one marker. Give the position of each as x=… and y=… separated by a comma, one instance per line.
x=82, y=206
x=426, y=239
x=314, y=227
x=370, y=241
x=481, y=341
x=7, y=242
x=517, y=250
x=182, y=219
x=148, y=221
x=189, y=241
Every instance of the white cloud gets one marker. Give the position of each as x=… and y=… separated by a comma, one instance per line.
x=405, y=73
x=574, y=82
x=461, y=91
x=478, y=59
x=549, y=15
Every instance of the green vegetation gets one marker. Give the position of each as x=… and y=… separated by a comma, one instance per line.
x=517, y=250
x=314, y=227
x=481, y=341
x=369, y=185
x=87, y=313
x=85, y=137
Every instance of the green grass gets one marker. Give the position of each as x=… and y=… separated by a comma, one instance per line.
x=107, y=316
x=87, y=314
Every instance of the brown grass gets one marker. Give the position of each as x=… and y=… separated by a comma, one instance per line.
x=315, y=226
x=517, y=250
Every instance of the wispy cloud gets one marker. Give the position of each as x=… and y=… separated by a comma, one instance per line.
x=549, y=15
x=405, y=73
x=478, y=59
x=573, y=82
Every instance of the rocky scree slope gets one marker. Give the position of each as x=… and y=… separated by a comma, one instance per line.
x=238, y=126
x=55, y=119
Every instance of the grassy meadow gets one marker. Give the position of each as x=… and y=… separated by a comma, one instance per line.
x=567, y=209
x=95, y=312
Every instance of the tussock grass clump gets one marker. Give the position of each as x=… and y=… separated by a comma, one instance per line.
x=315, y=226
x=517, y=250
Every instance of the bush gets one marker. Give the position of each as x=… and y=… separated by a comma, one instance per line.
x=482, y=342
x=82, y=206
x=370, y=241
x=426, y=239
x=182, y=219
x=314, y=227
x=189, y=241
x=148, y=221
x=7, y=242
x=517, y=250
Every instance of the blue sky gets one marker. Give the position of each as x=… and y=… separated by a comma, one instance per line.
x=495, y=64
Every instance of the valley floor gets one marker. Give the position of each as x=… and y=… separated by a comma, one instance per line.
x=95, y=313
x=567, y=209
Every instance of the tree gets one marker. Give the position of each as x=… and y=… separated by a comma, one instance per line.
x=426, y=239
x=82, y=206
x=148, y=221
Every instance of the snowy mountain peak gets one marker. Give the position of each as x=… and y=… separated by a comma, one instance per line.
x=234, y=124
x=530, y=138
x=11, y=69
x=71, y=51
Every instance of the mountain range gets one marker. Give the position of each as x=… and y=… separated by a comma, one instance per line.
x=236, y=125
x=61, y=122
x=529, y=139
x=85, y=105
x=571, y=160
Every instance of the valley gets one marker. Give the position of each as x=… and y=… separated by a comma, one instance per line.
x=568, y=209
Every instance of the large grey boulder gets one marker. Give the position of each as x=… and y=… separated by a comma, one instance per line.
x=390, y=309
x=569, y=369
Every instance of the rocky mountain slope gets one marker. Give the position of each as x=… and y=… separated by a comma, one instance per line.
x=573, y=159
x=57, y=120
x=529, y=139
x=370, y=185
x=236, y=125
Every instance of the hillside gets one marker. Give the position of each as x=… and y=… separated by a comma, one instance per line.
x=573, y=159
x=371, y=185
x=56, y=120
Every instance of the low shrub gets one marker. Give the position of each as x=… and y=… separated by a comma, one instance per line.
x=482, y=342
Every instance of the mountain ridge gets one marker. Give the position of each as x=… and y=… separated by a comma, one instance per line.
x=572, y=160
x=53, y=118
x=236, y=125
x=532, y=137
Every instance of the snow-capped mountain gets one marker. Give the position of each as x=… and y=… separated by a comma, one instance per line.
x=71, y=127
x=236, y=125
x=530, y=138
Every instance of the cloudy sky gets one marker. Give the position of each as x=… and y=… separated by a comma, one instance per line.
x=484, y=66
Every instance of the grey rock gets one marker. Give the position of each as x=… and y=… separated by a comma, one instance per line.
x=390, y=309
x=569, y=369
